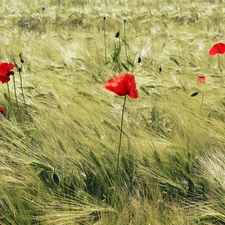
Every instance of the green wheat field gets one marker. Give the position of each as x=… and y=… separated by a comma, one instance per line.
x=60, y=133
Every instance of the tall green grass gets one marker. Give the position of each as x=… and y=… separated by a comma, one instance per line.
x=172, y=153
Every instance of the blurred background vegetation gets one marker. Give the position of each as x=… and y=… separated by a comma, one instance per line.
x=59, y=150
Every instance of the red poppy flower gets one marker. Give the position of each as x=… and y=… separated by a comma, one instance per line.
x=6, y=69
x=123, y=84
x=201, y=79
x=2, y=111
x=218, y=48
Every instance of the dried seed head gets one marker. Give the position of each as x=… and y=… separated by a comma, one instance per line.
x=139, y=59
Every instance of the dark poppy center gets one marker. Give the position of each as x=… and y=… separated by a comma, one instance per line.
x=11, y=72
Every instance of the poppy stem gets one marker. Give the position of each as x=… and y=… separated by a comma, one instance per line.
x=21, y=86
x=119, y=147
x=14, y=85
x=195, y=94
x=8, y=90
x=125, y=42
x=104, y=18
x=119, y=42
x=220, y=68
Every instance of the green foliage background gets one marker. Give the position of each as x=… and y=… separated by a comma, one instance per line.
x=172, y=156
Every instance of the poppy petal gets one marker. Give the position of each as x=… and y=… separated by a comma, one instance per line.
x=116, y=85
x=201, y=79
x=4, y=79
x=5, y=69
x=2, y=110
x=122, y=85
x=133, y=93
x=218, y=48
x=10, y=67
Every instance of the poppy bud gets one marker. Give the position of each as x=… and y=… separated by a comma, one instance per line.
x=139, y=59
x=104, y=17
x=194, y=94
x=117, y=34
x=19, y=69
x=21, y=57
x=56, y=178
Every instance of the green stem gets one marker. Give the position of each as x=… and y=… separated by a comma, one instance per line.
x=119, y=41
x=21, y=86
x=105, y=39
x=125, y=42
x=14, y=84
x=119, y=147
x=8, y=89
x=221, y=74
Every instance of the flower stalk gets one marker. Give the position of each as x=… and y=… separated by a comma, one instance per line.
x=104, y=18
x=125, y=42
x=119, y=146
x=220, y=70
x=122, y=85
x=8, y=90
x=21, y=80
x=15, y=93
x=195, y=94
x=218, y=48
